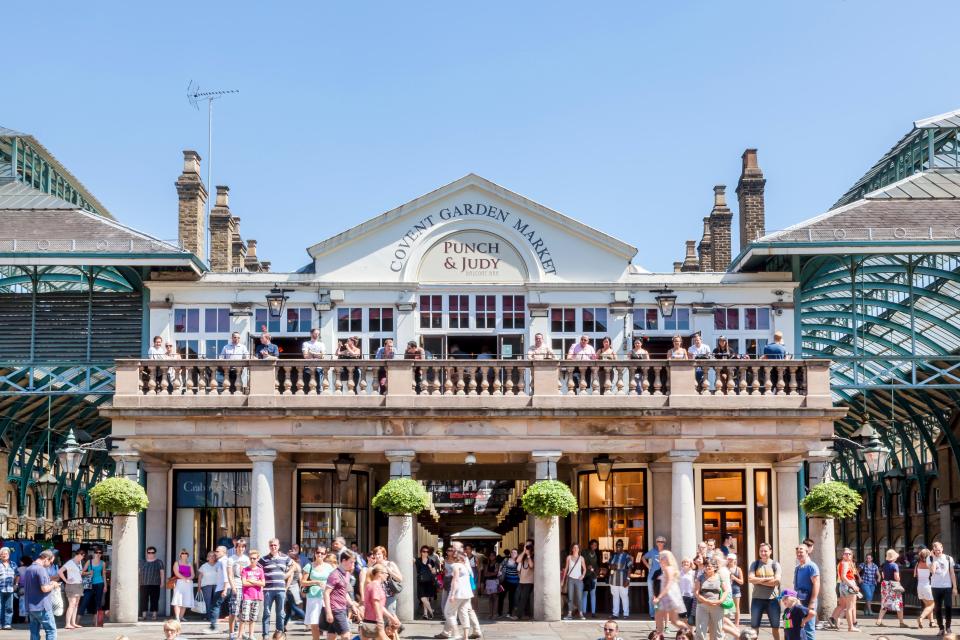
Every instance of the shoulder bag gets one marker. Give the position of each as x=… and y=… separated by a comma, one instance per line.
x=56, y=598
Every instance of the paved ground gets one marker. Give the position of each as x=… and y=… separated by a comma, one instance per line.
x=500, y=630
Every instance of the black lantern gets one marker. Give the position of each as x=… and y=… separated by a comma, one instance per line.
x=46, y=487
x=343, y=464
x=667, y=302
x=604, y=465
x=872, y=453
x=894, y=480
x=275, y=301
x=70, y=455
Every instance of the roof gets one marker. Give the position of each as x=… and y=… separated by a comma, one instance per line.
x=473, y=179
x=476, y=533
x=949, y=120
x=17, y=195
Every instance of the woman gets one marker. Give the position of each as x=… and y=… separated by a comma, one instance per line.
x=208, y=579
x=573, y=574
x=182, y=598
x=723, y=351
x=669, y=602
x=314, y=579
x=921, y=573
x=638, y=352
x=96, y=570
x=393, y=582
x=677, y=352
x=606, y=350
x=458, y=602
x=685, y=580
x=848, y=590
x=491, y=582
x=71, y=575
x=252, y=581
x=375, y=609
x=427, y=569
x=8, y=579
x=736, y=584
x=525, y=588
x=891, y=593
x=710, y=592
x=510, y=581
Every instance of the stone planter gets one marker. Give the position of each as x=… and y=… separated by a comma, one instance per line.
x=547, y=603
x=825, y=556
x=124, y=569
x=400, y=544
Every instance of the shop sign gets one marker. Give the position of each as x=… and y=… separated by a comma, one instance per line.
x=213, y=489
x=472, y=256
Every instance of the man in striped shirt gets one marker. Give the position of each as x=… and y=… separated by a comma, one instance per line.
x=277, y=567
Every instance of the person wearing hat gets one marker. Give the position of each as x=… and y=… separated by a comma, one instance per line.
x=795, y=615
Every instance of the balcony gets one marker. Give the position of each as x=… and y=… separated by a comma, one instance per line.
x=465, y=385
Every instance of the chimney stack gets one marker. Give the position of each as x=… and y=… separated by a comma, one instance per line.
x=750, y=194
x=705, y=248
x=721, y=219
x=677, y=267
x=192, y=225
x=222, y=228
x=690, y=262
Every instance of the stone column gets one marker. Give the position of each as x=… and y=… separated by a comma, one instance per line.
x=155, y=521
x=683, y=524
x=661, y=479
x=401, y=539
x=825, y=544
x=788, y=520
x=262, y=526
x=124, y=592
x=547, y=605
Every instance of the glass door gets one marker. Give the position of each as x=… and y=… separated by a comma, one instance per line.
x=434, y=346
x=717, y=525
x=511, y=347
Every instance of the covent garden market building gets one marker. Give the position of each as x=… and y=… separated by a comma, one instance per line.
x=474, y=276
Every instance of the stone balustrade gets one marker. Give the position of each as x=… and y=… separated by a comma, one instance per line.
x=729, y=384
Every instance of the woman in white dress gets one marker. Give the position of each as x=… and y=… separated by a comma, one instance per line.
x=924, y=591
x=182, y=598
x=669, y=603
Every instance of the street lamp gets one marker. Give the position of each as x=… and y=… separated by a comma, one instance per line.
x=71, y=453
x=47, y=487
x=894, y=480
x=343, y=464
x=275, y=301
x=666, y=301
x=872, y=453
x=604, y=465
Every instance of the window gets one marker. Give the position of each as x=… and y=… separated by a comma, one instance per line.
x=514, y=308
x=679, y=321
x=459, y=312
x=918, y=501
x=329, y=508
x=266, y=323
x=723, y=487
x=936, y=497
x=186, y=320
x=645, y=319
x=431, y=312
x=212, y=348
x=563, y=320
x=485, y=314
x=188, y=348
x=216, y=320
x=756, y=319
x=349, y=320
x=897, y=500
x=380, y=319
x=194, y=340
x=299, y=319
x=594, y=320
x=726, y=319
x=883, y=507
x=613, y=510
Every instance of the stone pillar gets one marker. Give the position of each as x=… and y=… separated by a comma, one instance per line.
x=284, y=515
x=662, y=484
x=124, y=592
x=262, y=508
x=401, y=539
x=547, y=605
x=683, y=526
x=788, y=520
x=155, y=520
x=825, y=544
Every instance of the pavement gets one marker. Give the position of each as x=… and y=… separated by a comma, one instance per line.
x=494, y=630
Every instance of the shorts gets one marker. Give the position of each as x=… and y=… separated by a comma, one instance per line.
x=73, y=590
x=340, y=624
x=233, y=603
x=770, y=606
x=314, y=611
x=250, y=610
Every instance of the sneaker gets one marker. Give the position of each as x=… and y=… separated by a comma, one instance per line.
x=582, y=617
x=568, y=617
x=442, y=636
x=475, y=635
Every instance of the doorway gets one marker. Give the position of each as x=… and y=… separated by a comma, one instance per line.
x=720, y=523
x=467, y=347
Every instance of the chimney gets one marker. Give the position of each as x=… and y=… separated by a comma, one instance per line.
x=677, y=267
x=750, y=195
x=250, y=261
x=690, y=262
x=705, y=248
x=239, y=258
x=721, y=219
x=192, y=227
x=221, y=232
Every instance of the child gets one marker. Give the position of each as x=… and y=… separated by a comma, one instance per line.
x=687, y=575
x=795, y=615
x=171, y=630
x=252, y=579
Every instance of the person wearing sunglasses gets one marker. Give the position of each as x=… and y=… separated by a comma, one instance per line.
x=611, y=631
x=151, y=581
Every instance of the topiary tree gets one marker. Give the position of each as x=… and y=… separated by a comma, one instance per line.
x=119, y=496
x=401, y=496
x=548, y=498
x=831, y=500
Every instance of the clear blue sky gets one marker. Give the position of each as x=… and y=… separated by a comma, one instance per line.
x=622, y=116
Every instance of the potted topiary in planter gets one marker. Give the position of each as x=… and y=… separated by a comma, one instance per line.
x=401, y=496
x=401, y=499
x=831, y=500
x=549, y=498
x=119, y=496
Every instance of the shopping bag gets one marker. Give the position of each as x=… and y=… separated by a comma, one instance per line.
x=199, y=606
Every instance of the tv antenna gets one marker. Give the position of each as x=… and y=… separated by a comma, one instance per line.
x=195, y=97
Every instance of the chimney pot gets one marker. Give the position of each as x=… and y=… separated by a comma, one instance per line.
x=677, y=267
x=690, y=261
x=223, y=196
x=191, y=161
x=750, y=193
x=750, y=161
x=720, y=195
x=251, y=247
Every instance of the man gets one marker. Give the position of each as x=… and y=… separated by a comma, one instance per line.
x=611, y=630
x=266, y=350
x=727, y=547
x=651, y=562
x=234, y=350
x=943, y=583
x=764, y=575
x=156, y=351
x=238, y=561
x=336, y=599
x=294, y=600
x=582, y=350
x=540, y=349
x=221, y=591
x=313, y=349
x=620, y=567
x=7, y=574
x=712, y=549
x=809, y=544
x=697, y=349
x=868, y=576
x=151, y=582
x=591, y=557
x=775, y=350
x=386, y=351
x=37, y=585
x=806, y=581
x=276, y=567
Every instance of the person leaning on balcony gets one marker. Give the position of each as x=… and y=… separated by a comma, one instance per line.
x=582, y=350
x=677, y=352
x=266, y=350
x=313, y=349
x=172, y=372
x=775, y=350
x=385, y=352
x=155, y=352
x=540, y=349
x=350, y=350
x=236, y=350
x=607, y=352
x=723, y=352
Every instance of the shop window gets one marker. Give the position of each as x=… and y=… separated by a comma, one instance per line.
x=645, y=319
x=459, y=312
x=726, y=319
x=594, y=320
x=723, y=487
x=210, y=508
x=679, y=321
x=329, y=508
x=514, y=312
x=431, y=312
x=299, y=320
x=266, y=323
x=756, y=318
x=613, y=510
x=349, y=320
x=761, y=517
x=216, y=320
